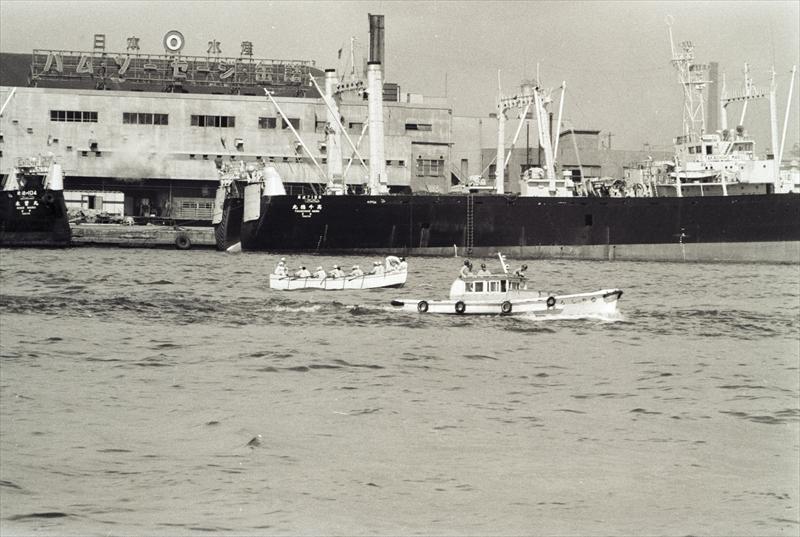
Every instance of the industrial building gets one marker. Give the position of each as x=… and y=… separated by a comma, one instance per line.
x=144, y=134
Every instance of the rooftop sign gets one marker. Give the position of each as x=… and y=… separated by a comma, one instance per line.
x=169, y=69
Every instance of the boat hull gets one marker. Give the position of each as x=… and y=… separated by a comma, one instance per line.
x=597, y=303
x=35, y=218
x=228, y=231
x=367, y=281
x=751, y=228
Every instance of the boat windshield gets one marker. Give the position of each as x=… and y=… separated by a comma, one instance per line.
x=490, y=286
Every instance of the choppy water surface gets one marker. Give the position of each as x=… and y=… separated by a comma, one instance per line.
x=147, y=392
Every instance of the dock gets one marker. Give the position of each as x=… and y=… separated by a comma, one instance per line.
x=142, y=236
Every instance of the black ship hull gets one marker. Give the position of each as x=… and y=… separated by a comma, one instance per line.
x=758, y=228
x=34, y=217
x=229, y=230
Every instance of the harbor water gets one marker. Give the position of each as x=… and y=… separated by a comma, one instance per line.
x=152, y=392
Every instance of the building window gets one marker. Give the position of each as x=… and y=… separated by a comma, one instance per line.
x=355, y=126
x=294, y=121
x=213, y=121
x=267, y=123
x=73, y=116
x=429, y=167
x=320, y=126
x=139, y=118
x=419, y=127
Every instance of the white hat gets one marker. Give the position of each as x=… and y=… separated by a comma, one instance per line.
x=319, y=268
x=283, y=259
x=355, y=266
x=281, y=262
x=336, y=266
x=376, y=262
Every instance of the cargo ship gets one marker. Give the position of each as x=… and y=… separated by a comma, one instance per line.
x=716, y=200
x=32, y=207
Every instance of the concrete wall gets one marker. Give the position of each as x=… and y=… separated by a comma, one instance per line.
x=178, y=150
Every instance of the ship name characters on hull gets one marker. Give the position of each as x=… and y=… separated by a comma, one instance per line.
x=27, y=201
x=307, y=206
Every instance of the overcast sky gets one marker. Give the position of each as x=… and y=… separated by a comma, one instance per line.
x=614, y=56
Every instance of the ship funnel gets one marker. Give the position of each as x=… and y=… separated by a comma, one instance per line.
x=377, y=163
x=55, y=177
x=376, y=35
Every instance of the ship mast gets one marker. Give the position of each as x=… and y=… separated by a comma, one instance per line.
x=531, y=95
x=692, y=77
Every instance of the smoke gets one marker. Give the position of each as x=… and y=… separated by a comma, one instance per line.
x=136, y=159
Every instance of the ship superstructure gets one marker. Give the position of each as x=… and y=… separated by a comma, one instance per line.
x=724, y=162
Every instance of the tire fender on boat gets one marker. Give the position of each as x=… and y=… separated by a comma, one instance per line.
x=182, y=241
x=506, y=307
x=460, y=307
x=422, y=306
x=48, y=198
x=551, y=301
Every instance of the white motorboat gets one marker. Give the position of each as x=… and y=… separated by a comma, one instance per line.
x=507, y=294
x=394, y=275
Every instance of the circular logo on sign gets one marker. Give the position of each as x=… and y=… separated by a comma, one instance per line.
x=173, y=41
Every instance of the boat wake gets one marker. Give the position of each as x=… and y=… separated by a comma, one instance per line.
x=615, y=317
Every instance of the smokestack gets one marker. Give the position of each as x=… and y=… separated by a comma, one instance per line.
x=713, y=97
x=378, y=182
x=376, y=30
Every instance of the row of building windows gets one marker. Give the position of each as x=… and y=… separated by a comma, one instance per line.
x=419, y=127
x=272, y=123
x=430, y=167
x=138, y=118
x=213, y=121
x=73, y=116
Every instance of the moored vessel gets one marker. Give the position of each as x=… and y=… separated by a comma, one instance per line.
x=32, y=207
x=716, y=201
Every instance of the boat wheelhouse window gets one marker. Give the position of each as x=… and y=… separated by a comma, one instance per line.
x=503, y=286
x=73, y=116
x=709, y=150
x=514, y=286
x=494, y=286
x=267, y=123
x=213, y=121
x=293, y=120
x=470, y=287
x=479, y=287
x=429, y=167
